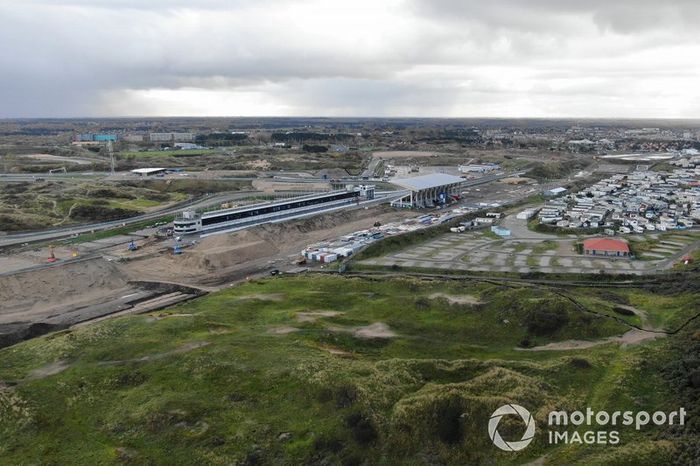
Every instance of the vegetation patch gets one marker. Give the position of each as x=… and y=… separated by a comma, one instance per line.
x=273, y=390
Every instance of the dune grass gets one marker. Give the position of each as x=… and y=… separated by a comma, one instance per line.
x=237, y=377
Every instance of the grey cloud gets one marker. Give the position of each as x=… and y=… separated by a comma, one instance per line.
x=69, y=57
x=620, y=15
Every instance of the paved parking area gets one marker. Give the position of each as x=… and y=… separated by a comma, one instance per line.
x=480, y=251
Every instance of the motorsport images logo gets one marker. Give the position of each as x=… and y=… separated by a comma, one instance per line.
x=528, y=420
x=586, y=427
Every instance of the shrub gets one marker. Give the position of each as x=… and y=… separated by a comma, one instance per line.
x=422, y=303
x=544, y=321
x=623, y=311
x=96, y=212
x=579, y=363
x=345, y=396
x=449, y=427
x=362, y=428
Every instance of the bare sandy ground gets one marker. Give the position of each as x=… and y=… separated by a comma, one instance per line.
x=57, y=158
x=234, y=256
x=282, y=330
x=48, y=370
x=187, y=347
x=368, y=332
x=336, y=351
x=314, y=316
x=32, y=295
x=265, y=296
x=456, y=299
x=404, y=154
x=631, y=337
x=376, y=330
x=81, y=290
x=270, y=186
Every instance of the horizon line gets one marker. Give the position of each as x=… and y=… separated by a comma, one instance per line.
x=130, y=117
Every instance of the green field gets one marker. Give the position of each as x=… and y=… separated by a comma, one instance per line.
x=330, y=370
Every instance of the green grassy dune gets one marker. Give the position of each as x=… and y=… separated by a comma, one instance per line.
x=330, y=370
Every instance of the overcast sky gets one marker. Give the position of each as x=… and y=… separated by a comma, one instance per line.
x=440, y=58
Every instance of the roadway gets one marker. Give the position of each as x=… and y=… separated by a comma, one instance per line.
x=380, y=197
x=65, y=232
x=199, y=203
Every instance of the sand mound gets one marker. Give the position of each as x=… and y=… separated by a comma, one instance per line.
x=336, y=351
x=228, y=250
x=187, y=347
x=226, y=255
x=629, y=338
x=251, y=250
x=48, y=370
x=264, y=296
x=282, y=330
x=456, y=299
x=315, y=315
x=54, y=286
x=376, y=330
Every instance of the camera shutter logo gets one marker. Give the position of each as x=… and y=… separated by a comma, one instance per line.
x=529, y=427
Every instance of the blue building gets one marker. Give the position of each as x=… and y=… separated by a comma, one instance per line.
x=105, y=137
x=91, y=137
x=500, y=231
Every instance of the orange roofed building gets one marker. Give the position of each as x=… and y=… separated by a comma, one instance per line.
x=606, y=247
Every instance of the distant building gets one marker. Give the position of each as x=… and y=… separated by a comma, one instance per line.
x=500, y=231
x=171, y=137
x=581, y=144
x=133, y=137
x=106, y=137
x=526, y=214
x=92, y=137
x=555, y=192
x=606, y=247
x=148, y=171
x=428, y=190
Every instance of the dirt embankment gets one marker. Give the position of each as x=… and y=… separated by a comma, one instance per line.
x=271, y=186
x=254, y=249
x=26, y=296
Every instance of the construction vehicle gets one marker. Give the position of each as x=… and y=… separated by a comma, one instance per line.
x=177, y=250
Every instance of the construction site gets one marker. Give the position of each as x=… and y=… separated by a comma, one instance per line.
x=50, y=288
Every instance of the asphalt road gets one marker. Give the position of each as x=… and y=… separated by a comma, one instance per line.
x=206, y=201
x=64, y=232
